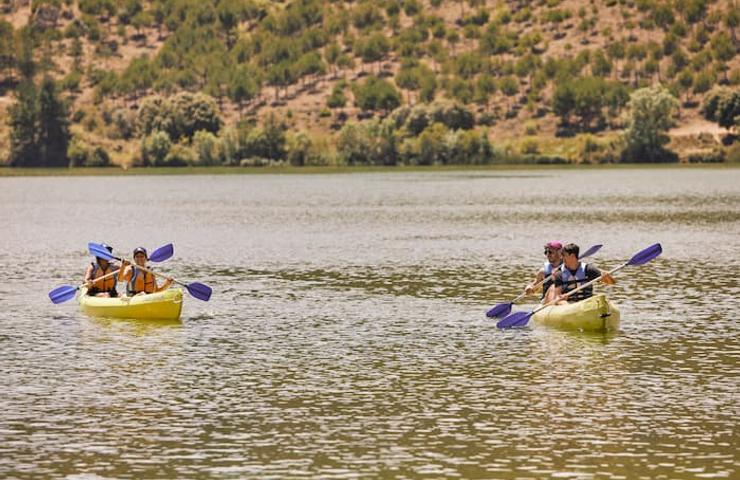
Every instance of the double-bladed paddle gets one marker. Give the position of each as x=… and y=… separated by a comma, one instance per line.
x=67, y=292
x=197, y=290
x=519, y=319
x=503, y=309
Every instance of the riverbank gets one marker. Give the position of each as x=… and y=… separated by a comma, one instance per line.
x=290, y=170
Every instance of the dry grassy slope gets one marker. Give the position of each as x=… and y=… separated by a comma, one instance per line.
x=302, y=105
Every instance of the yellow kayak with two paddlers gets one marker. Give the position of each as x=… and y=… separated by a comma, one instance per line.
x=594, y=314
x=164, y=305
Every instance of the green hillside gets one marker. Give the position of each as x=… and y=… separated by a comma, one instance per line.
x=308, y=82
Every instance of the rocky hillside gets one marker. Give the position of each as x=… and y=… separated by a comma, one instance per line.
x=535, y=75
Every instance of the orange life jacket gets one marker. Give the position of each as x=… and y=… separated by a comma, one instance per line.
x=141, y=281
x=107, y=284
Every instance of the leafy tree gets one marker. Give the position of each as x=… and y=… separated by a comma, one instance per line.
x=651, y=111
x=376, y=94
x=138, y=77
x=722, y=105
x=243, y=87
x=129, y=10
x=509, y=86
x=155, y=148
x=485, y=86
x=427, y=85
x=179, y=116
x=332, y=52
x=22, y=120
x=337, y=99
x=24, y=54
x=723, y=49
x=600, y=64
x=39, y=126
x=460, y=89
x=206, y=146
x=702, y=82
x=373, y=49
x=309, y=64
x=7, y=46
x=432, y=146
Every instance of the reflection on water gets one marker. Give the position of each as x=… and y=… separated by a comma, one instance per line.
x=346, y=337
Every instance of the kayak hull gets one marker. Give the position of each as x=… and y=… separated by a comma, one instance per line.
x=165, y=305
x=594, y=314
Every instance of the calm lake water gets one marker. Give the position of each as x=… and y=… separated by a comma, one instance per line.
x=346, y=336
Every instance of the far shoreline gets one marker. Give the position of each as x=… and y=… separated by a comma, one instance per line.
x=8, y=172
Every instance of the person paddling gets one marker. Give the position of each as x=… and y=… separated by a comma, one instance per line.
x=138, y=281
x=554, y=254
x=97, y=286
x=572, y=274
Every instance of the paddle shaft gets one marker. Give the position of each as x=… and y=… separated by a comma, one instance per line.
x=107, y=275
x=585, y=285
x=148, y=271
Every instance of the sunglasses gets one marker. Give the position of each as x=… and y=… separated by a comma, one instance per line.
x=548, y=251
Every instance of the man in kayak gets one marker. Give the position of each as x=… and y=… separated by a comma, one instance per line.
x=572, y=274
x=98, y=286
x=137, y=280
x=554, y=254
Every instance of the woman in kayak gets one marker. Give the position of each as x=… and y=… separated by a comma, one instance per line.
x=98, y=286
x=137, y=280
x=571, y=275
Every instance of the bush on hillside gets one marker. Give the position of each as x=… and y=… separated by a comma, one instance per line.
x=376, y=94
x=180, y=116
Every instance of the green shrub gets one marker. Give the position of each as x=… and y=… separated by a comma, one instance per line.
x=80, y=154
x=98, y=157
x=155, y=147
x=205, y=145
x=376, y=94
x=180, y=155
x=180, y=115
x=337, y=98
x=369, y=143
x=77, y=152
x=124, y=122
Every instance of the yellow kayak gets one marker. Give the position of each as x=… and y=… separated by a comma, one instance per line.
x=165, y=305
x=595, y=314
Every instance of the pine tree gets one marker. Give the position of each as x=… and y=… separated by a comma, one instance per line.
x=53, y=126
x=23, y=131
x=39, y=126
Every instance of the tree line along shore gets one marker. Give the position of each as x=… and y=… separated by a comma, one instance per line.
x=304, y=83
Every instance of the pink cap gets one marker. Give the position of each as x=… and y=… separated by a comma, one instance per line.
x=554, y=244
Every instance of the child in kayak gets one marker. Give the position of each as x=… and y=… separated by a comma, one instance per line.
x=138, y=281
x=98, y=286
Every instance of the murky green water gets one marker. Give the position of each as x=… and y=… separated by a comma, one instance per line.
x=346, y=335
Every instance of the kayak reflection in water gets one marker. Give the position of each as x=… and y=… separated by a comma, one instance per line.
x=138, y=281
x=572, y=274
x=554, y=254
x=99, y=279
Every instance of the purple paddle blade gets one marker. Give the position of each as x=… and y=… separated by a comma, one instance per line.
x=516, y=319
x=646, y=255
x=162, y=253
x=590, y=251
x=62, y=294
x=98, y=250
x=199, y=291
x=501, y=310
